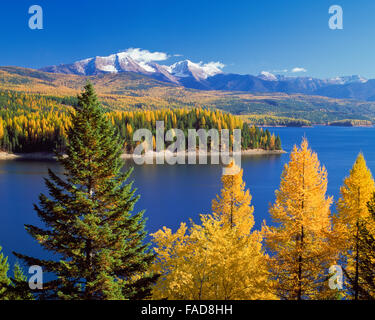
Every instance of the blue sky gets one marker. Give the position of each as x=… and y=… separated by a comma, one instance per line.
x=247, y=36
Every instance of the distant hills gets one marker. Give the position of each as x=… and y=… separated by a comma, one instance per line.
x=132, y=91
x=210, y=77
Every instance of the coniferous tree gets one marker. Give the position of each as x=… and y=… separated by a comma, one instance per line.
x=15, y=288
x=299, y=242
x=366, y=258
x=4, y=280
x=88, y=217
x=366, y=254
x=278, y=143
x=233, y=204
x=18, y=288
x=221, y=258
x=353, y=215
x=31, y=122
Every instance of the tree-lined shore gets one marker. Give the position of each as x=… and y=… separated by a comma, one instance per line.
x=89, y=222
x=34, y=124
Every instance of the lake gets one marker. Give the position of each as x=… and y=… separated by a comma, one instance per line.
x=172, y=194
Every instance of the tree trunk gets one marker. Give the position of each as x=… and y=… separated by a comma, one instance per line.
x=231, y=204
x=356, y=279
x=299, y=292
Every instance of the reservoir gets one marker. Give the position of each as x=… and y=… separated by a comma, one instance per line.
x=174, y=194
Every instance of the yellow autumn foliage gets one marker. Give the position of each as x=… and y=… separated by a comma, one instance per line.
x=216, y=259
x=300, y=240
x=355, y=193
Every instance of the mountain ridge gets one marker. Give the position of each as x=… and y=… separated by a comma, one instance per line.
x=132, y=91
x=210, y=77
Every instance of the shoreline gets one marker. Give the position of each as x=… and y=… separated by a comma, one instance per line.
x=197, y=153
x=318, y=125
x=27, y=156
x=50, y=156
x=280, y=126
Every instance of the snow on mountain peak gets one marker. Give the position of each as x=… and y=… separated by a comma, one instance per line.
x=265, y=75
x=143, y=62
x=212, y=68
x=143, y=58
x=348, y=79
x=200, y=70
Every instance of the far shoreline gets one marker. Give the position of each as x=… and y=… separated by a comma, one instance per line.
x=51, y=156
x=318, y=125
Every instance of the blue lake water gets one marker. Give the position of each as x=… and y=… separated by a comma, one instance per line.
x=171, y=194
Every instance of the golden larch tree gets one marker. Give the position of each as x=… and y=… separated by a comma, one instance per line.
x=218, y=259
x=352, y=209
x=233, y=203
x=299, y=240
x=1, y=128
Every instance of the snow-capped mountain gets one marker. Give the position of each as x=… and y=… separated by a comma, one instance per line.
x=209, y=76
x=124, y=62
x=186, y=73
x=198, y=71
x=268, y=76
x=111, y=64
x=348, y=79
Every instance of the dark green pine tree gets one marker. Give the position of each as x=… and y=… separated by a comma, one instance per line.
x=278, y=143
x=4, y=280
x=88, y=217
x=15, y=288
x=18, y=288
x=366, y=266
x=366, y=256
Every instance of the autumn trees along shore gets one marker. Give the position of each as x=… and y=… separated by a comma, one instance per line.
x=224, y=258
x=221, y=258
x=35, y=123
x=103, y=251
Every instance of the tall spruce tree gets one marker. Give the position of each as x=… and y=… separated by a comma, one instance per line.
x=362, y=283
x=365, y=285
x=88, y=216
x=366, y=254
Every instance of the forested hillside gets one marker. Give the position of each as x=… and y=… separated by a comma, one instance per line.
x=31, y=122
x=269, y=120
x=130, y=91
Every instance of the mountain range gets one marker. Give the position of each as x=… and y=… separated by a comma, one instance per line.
x=133, y=91
x=210, y=77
